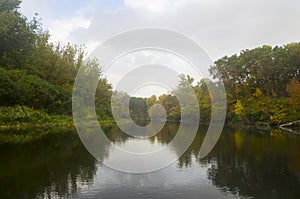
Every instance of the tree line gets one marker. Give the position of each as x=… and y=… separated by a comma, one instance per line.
x=36, y=72
x=262, y=84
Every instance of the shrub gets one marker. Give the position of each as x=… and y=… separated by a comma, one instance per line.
x=21, y=114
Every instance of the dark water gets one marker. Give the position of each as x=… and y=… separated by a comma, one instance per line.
x=245, y=163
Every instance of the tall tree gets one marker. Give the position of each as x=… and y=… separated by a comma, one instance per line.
x=17, y=35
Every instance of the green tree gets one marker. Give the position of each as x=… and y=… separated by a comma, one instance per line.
x=57, y=64
x=293, y=89
x=10, y=6
x=19, y=88
x=17, y=35
x=256, y=79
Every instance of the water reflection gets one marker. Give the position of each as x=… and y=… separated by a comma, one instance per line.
x=257, y=164
x=245, y=163
x=50, y=167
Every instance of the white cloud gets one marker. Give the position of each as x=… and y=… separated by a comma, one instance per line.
x=220, y=27
x=151, y=5
x=62, y=28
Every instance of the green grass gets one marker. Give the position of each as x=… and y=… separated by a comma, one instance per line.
x=22, y=116
x=21, y=124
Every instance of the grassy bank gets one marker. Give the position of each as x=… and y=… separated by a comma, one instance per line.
x=25, y=117
x=22, y=116
x=21, y=124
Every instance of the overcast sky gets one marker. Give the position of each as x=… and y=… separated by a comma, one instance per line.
x=221, y=27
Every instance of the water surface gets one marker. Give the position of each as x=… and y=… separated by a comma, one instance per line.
x=245, y=163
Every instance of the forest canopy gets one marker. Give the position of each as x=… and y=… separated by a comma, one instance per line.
x=262, y=84
x=35, y=72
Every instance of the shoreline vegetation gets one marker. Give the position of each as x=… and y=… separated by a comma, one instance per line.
x=28, y=134
x=37, y=77
x=22, y=117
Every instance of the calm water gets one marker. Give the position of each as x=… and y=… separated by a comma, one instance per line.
x=245, y=163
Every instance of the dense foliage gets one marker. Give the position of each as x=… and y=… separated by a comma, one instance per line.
x=20, y=115
x=37, y=73
x=19, y=88
x=262, y=84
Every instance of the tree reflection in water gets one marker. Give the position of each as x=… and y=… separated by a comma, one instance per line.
x=244, y=163
x=52, y=166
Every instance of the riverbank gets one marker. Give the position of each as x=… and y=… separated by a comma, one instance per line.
x=22, y=117
x=22, y=125
x=29, y=133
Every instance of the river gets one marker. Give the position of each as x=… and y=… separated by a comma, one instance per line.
x=245, y=163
